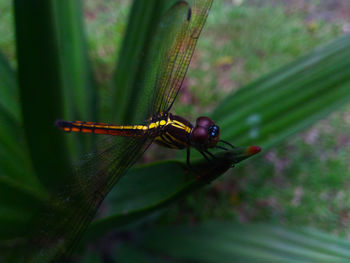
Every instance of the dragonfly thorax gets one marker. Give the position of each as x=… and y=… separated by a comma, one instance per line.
x=205, y=134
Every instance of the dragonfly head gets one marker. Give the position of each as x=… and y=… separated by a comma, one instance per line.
x=205, y=132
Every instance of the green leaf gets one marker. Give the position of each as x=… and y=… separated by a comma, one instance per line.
x=80, y=94
x=40, y=86
x=18, y=186
x=18, y=204
x=8, y=89
x=132, y=90
x=149, y=188
x=289, y=99
x=13, y=150
x=217, y=242
x=79, y=83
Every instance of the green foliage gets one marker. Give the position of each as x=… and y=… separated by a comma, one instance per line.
x=226, y=242
x=39, y=84
x=55, y=80
x=301, y=92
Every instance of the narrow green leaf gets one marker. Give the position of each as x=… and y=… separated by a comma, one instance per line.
x=129, y=76
x=80, y=94
x=40, y=86
x=8, y=89
x=79, y=83
x=288, y=100
x=18, y=204
x=13, y=150
x=231, y=242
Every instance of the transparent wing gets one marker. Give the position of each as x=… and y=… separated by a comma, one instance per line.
x=70, y=212
x=166, y=63
x=179, y=34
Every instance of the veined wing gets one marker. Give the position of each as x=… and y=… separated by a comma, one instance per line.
x=70, y=212
x=179, y=34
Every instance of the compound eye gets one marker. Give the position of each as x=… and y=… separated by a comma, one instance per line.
x=200, y=135
x=214, y=131
x=204, y=122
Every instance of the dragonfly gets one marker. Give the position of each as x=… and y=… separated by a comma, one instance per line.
x=162, y=126
x=77, y=205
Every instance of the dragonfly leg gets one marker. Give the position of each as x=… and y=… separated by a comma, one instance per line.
x=227, y=143
x=205, y=156
x=188, y=157
x=189, y=163
x=210, y=154
x=221, y=147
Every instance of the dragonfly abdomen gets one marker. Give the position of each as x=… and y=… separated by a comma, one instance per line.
x=102, y=128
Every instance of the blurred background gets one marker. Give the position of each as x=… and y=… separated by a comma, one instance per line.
x=303, y=181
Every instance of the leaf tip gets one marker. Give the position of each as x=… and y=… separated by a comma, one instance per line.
x=253, y=150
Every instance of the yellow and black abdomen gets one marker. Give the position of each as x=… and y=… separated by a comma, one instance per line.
x=175, y=133
x=102, y=128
